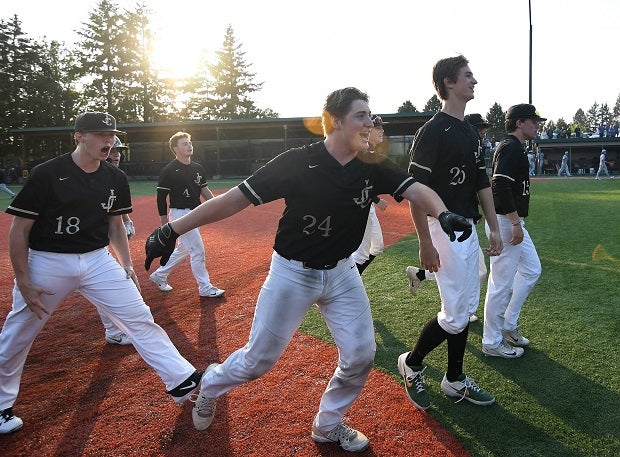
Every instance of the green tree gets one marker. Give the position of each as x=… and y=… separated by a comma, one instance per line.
x=580, y=120
x=616, y=111
x=593, y=117
x=496, y=118
x=605, y=114
x=433, y=105
x=148, y=97
x=227, y=87
x=407, y=107
x=33, y=89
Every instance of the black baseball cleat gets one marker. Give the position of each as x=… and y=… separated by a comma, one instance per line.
x=182, y=392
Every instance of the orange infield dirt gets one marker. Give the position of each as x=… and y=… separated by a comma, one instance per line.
x=82, y=397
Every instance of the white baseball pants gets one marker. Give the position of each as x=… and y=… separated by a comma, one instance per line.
x=513, y=275
x=98, y=277
x=458, y=277
x=286, y=296
x=191, y=244
x=372, y=243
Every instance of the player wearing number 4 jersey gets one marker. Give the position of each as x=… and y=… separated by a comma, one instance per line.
x=327, y=188
x=183, y=182
x=65, y=216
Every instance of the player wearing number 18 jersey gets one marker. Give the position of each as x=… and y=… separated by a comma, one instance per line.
x=327, y=188
x=65, y=216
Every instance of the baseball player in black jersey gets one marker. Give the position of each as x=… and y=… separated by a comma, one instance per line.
x=327, y=188
x=65, y=216
x=184, y=182
x=372, y=244
x=516, y=270
x=447, y=156
x=416, y=275
x=113, y=334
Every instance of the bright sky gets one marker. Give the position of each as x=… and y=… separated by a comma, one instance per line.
x=301, y=51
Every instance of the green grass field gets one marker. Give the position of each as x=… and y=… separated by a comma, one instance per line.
x=562, y=398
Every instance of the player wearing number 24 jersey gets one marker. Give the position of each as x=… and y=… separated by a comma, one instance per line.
x=66, y=215
x=327, y=188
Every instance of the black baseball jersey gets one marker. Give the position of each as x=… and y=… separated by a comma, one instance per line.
x=511, y=180
x=327, y=204
x=71, y=208
x=446, y=155
x=182, y=183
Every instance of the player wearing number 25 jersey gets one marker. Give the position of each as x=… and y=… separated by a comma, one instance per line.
x=447, y=156
x=327, y=188
x=65, y=216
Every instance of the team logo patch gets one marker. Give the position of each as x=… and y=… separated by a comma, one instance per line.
x=364, y=199
x=108, y=205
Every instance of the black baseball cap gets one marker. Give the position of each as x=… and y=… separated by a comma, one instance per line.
x=377, y=121
x=477, y=120
x=96, y=122
x=523, y=111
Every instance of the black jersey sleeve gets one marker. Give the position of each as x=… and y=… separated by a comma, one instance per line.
x=510, y=181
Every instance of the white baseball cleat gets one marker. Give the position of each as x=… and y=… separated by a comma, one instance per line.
x=161, y=283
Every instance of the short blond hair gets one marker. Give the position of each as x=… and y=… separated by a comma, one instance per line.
x=174, y=139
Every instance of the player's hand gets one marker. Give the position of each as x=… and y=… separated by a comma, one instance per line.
x=131, y=231
x=451, y=222
x=382, y=204
x=160, y=243
x=32, y=297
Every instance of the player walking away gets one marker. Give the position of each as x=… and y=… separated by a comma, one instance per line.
x=113, y=334
x=65, y=216
x=328, y=188
x=446, y=155
x=3, y=186
x=602, y=166
x=372, y=244
x=416, y=275
x=516, y=270
x=564, y=167
x=540, y=160
x=184, y=182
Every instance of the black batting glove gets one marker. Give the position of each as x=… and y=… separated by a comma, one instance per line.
x=160, y=243
x=451, y=222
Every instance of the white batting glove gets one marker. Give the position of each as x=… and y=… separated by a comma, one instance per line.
x=131, y=231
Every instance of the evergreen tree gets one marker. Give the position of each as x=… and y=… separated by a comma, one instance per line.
x=580, y=120
x=605, y=114
x=433, y=105
x=407, y=107
x=496, y=117
x=227, y=91
x=149, y=98
x=593, y=117
x=616, y=111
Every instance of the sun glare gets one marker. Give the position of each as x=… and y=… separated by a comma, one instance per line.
x=175, y=58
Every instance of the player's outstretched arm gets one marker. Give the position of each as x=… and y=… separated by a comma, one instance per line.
x=163, y=239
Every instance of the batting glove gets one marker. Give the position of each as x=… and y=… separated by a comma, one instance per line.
x=451, y=222
x=160, y=243
x=131, y=231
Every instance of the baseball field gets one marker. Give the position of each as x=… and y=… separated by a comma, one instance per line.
x=82, y=397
